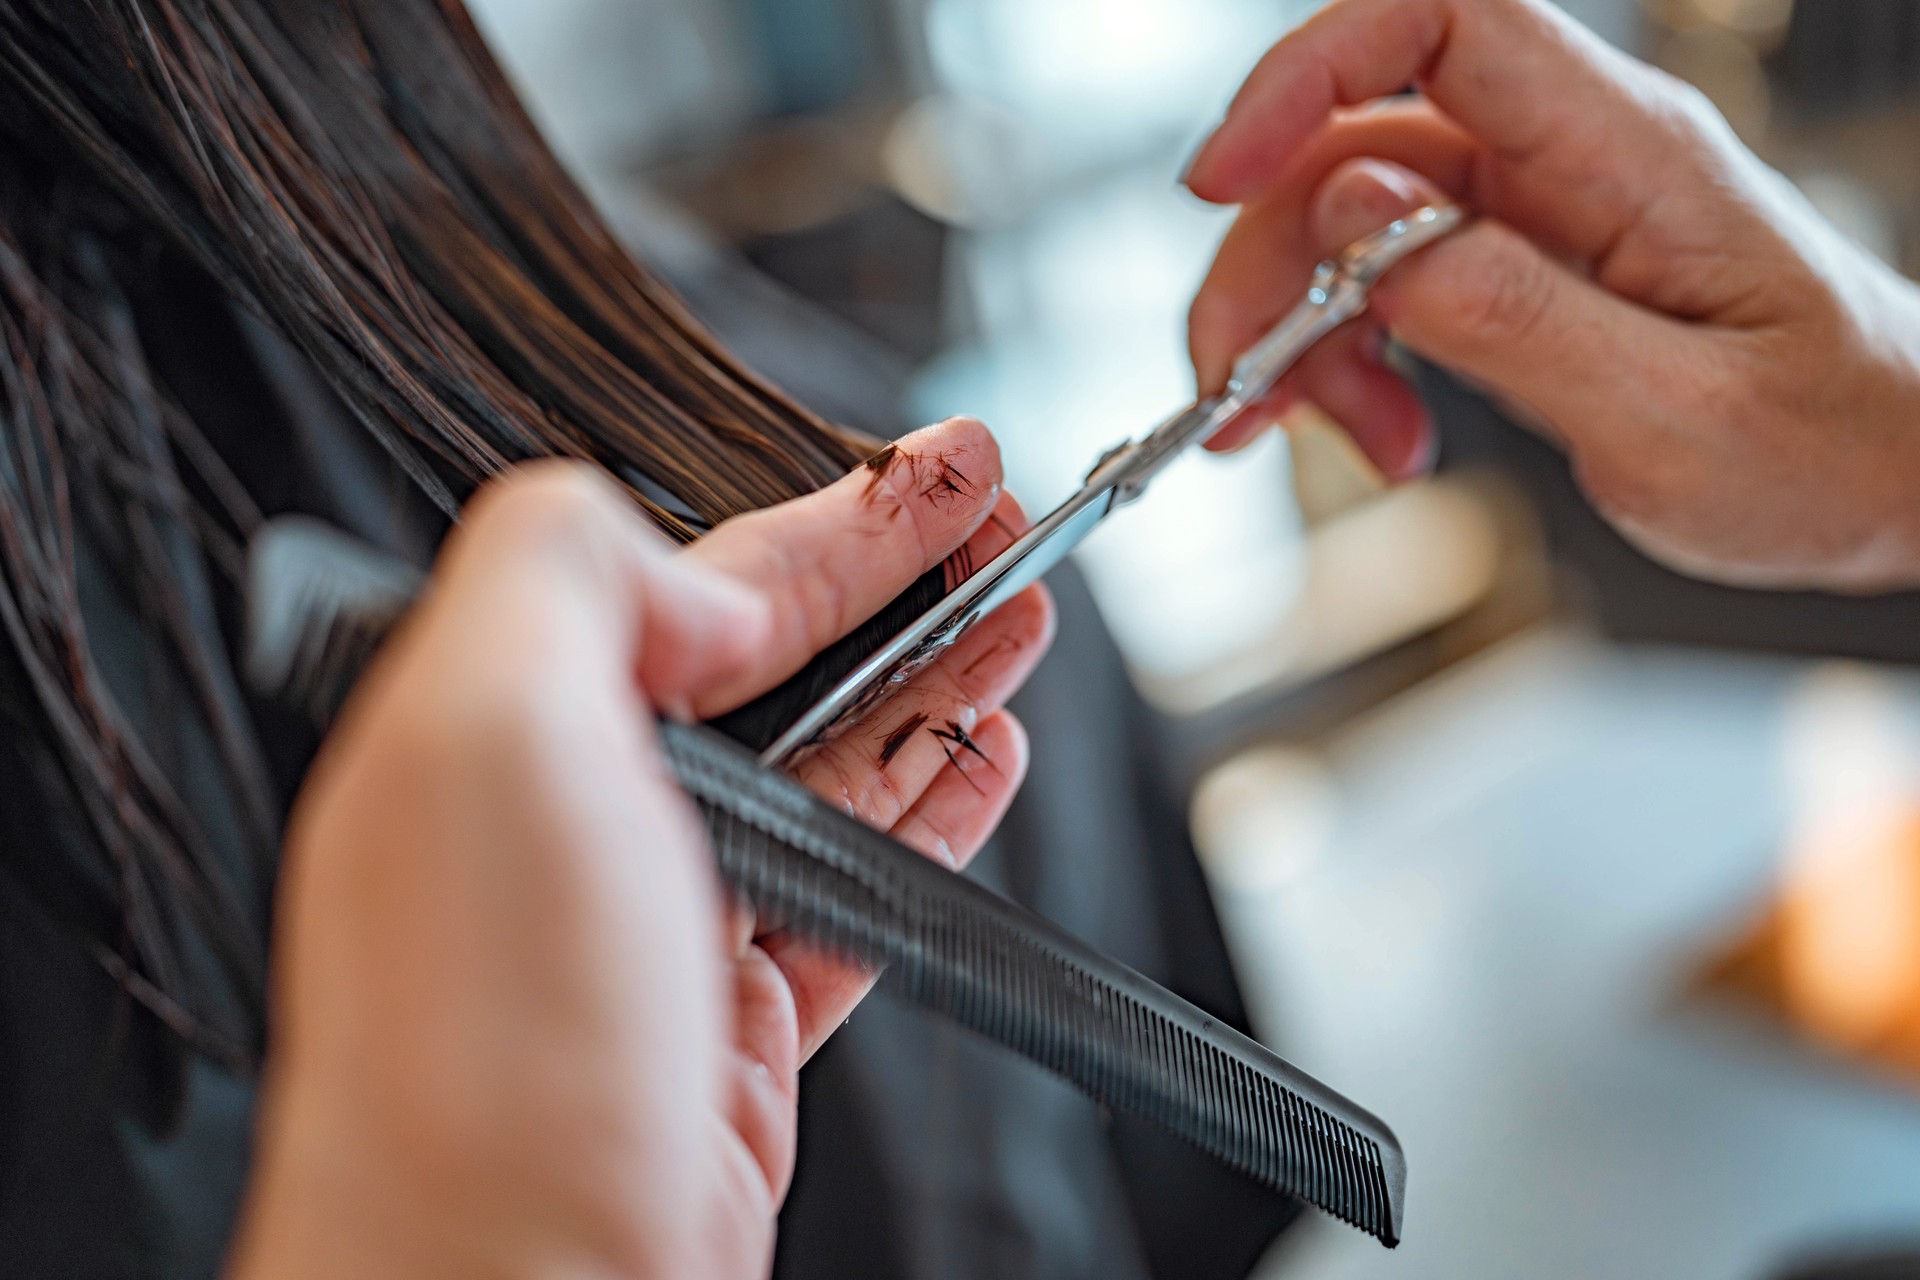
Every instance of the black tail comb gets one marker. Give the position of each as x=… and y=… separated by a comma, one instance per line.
x=956, y=948
x=944, y=942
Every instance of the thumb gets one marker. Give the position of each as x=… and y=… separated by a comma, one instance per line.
x=554, y=568
x=1489, y=305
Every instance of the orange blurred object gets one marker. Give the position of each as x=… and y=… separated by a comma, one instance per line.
x=1848, y=925
x=1836, y=954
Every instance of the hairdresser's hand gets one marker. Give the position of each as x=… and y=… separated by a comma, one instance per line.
x=1739, y=389
x=937, y=764
x=518, y=1030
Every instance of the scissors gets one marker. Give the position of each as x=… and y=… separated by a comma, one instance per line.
x=1337, y=294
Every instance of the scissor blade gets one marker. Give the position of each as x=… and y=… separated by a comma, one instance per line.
x=1046, y=554
x=1031, y=556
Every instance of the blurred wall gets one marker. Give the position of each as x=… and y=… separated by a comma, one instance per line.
x=610, y=80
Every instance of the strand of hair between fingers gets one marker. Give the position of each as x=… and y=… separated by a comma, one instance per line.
x=955, y=740
x=960, y=564
x=899, y=737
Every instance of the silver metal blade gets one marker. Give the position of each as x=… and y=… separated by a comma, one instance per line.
x=1030, y=558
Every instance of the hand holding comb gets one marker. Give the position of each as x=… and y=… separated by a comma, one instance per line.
x=319, y=605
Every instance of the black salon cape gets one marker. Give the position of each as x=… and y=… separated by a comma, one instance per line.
x=923, y=1152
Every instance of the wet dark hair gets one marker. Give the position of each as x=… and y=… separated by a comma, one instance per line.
x=359, y=176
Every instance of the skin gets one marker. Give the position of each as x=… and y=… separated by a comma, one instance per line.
x=519, y=1031
x=1737, y=387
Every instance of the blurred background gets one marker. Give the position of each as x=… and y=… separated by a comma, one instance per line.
x=1601, y=886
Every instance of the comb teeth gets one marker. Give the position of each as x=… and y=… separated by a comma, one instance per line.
x=318, y=604
x=951, y=946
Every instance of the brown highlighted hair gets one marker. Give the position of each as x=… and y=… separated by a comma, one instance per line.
x=359, y=176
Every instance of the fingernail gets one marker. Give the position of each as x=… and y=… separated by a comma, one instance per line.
x=1394, y=179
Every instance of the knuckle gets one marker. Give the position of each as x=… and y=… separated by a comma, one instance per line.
x=568, y=507
x=810, y=599
x=1690, y=122
x=1506, y=297
x=546, y=495
x=1682, y=104
x=819, y=596
x=857, y=787
x=1634, y=491
x=964, y=695
x=1219, y=325
x=1205, y=316
x=881, y=801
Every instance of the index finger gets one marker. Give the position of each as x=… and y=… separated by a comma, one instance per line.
x=1263, y=264
x=1525, y=80
x=829, y=561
